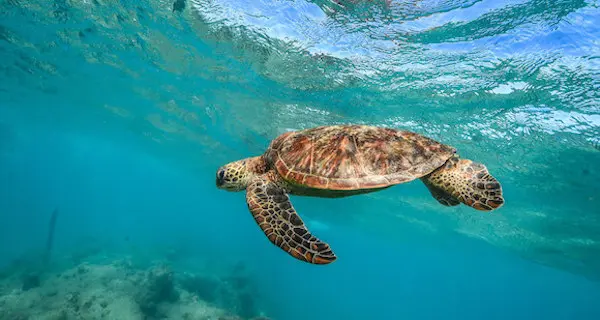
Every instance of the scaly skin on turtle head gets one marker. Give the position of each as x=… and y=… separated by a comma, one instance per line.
x=235, y=176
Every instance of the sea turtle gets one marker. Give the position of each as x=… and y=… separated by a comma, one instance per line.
x=344, y=160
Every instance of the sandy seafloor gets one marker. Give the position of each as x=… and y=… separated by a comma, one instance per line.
x=112, y=287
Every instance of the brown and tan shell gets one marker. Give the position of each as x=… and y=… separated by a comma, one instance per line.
x=353, y=157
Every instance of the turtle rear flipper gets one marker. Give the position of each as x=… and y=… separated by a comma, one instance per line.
x=272, y=210
x=465, y=181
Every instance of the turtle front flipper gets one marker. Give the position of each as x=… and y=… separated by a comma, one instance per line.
x=465, y=181
x=272, y=210
x=440, y=195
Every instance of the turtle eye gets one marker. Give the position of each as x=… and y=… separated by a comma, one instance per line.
x=221, y=174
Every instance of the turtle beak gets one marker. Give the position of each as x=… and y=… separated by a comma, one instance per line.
x=220, y=178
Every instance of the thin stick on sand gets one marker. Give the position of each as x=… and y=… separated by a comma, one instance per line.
x=50, y=240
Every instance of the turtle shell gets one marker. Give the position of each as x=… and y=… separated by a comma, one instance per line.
x=352, y=157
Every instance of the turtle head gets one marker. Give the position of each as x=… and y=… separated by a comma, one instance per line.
x=236, y=175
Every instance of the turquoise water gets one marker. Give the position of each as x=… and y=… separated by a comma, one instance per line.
x=119, y=113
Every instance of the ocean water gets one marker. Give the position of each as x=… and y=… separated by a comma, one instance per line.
x=115, y=115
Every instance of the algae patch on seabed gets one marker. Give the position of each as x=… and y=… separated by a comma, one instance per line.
x=113, y=290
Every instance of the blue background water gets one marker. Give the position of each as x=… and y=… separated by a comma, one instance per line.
x=119, y=114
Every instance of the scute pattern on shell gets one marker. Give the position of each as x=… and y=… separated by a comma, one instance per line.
x=348, y=157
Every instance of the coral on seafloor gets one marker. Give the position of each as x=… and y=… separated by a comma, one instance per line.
x=106, y=291
x=232, y=291
x=157, y=287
